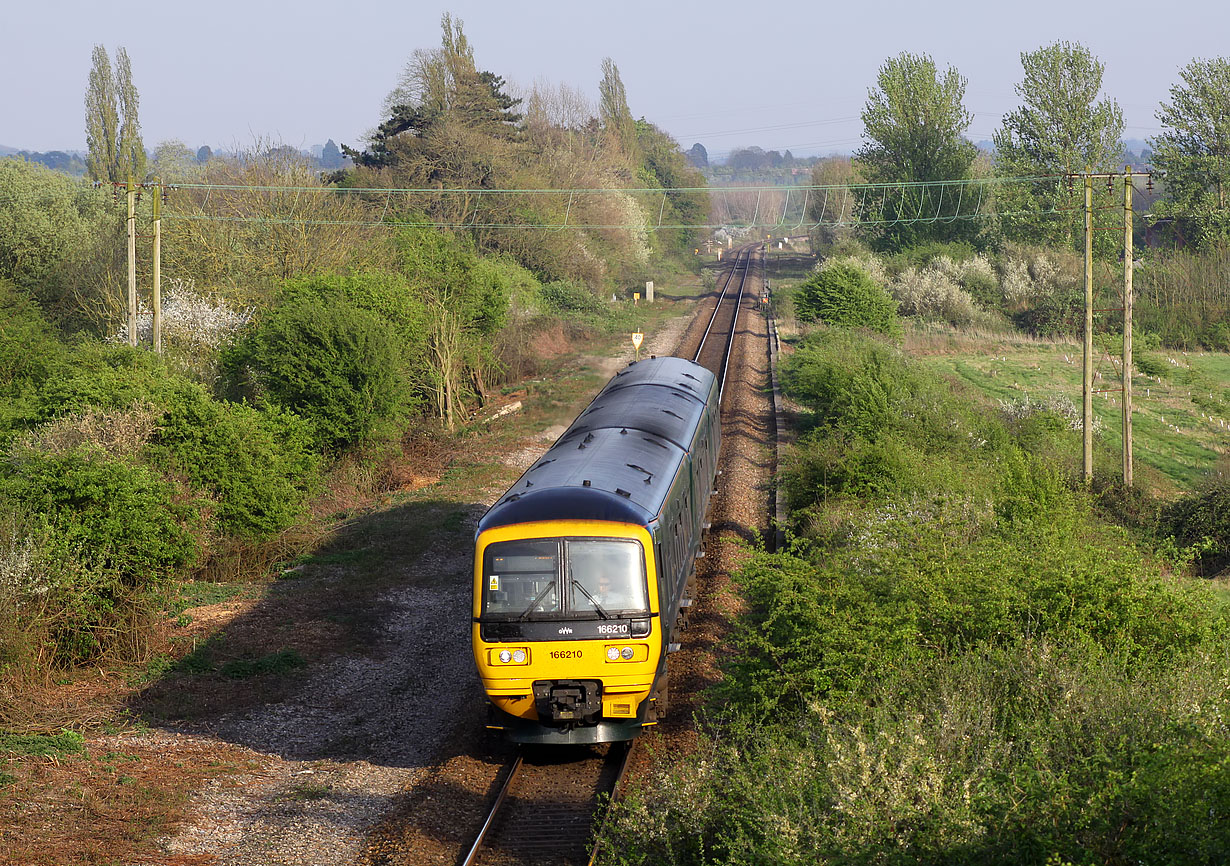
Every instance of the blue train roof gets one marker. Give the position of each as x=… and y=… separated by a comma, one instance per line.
x=618, y=459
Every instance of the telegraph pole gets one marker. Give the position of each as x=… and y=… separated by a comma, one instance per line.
x=1128, y=266
x=158, y=268
x=132, y=262
x=1087, y=406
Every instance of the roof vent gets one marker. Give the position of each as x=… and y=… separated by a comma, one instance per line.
x=589, y=438
x=623, y=432
x=619, y=491
x=585, y=483
x=529, y=484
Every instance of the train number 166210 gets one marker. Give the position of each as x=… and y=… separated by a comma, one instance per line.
x=566, y=654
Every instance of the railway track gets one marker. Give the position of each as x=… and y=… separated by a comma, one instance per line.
x=551, y=800
x=718, y=338
x=548, y=804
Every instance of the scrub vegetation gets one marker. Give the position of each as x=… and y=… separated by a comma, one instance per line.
x=309, y=348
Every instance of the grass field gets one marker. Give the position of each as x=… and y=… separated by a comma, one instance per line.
x=1181, y=415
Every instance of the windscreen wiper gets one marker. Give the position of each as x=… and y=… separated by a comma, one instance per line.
x=533, y=604
x=602, y=613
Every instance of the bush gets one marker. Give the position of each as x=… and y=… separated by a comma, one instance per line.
x=562, y=296
x=1021, y=754
x=933, y=294
x=116, y=517
x=1200, y=515
x=846, y=297
x=327, y=360
x=257, y=463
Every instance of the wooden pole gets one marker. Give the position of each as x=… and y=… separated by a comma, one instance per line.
x=1127, y=325
x=132, y=262
x=158, y=268
x=1087, y=407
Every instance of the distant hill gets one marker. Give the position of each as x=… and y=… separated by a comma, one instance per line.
x=5, y=150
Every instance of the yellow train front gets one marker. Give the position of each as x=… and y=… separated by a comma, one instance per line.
x=584, y=569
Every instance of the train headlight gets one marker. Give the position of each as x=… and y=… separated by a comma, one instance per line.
x=637, y=652
x=512, y=655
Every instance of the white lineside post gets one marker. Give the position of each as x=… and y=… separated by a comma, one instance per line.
x=649, y=291
x=1128, y=266
x=1087, y=403
x=158, y=268
x=132, y=262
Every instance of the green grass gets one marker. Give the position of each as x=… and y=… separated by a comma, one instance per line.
x=281, y=662
x=1176, y=427
x=42, y=745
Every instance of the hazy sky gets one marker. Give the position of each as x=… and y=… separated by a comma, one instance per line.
x=779, y=75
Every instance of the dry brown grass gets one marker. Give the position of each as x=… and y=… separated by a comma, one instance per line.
x=107, y=805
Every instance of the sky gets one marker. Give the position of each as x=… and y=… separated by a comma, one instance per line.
x=785, y=75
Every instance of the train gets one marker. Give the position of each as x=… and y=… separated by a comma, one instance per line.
x=585, y=569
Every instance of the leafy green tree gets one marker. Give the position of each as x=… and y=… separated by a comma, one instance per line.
x=914, y=123
x=48, y=222
x=113, y=131
x=1061, y=127
x=1194, y=150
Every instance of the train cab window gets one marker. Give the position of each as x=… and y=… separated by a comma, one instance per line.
x=521, y=578
x=606, y=576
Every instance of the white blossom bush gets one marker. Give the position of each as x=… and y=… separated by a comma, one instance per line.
x=1026, y=274
x=931, y=294
x=1026, y=407
x=190, y=319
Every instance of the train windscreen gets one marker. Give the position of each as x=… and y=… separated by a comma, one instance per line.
x=569, y=577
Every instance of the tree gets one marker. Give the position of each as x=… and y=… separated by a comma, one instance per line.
x=914, y=123
x=204, y=153
x=1194, y=150
x=1060, y=128
x=330, y=157
x=613, y=108
x=102, y=121
x=131, y=151
x=698, y=156
x=112, y=129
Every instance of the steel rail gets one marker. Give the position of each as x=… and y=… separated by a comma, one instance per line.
x=718, y=306
x=734, y=327
x=491, y=816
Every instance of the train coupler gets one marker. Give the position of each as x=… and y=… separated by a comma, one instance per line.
x=568, y=702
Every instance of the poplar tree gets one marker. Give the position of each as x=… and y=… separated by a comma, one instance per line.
x=613, y=108
x=112, y=130
x=131, y=149
x=102, y=122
